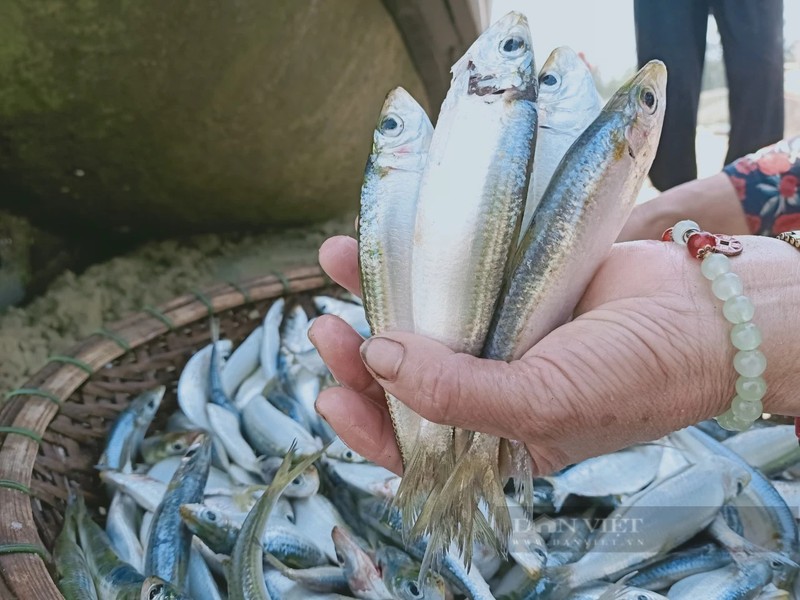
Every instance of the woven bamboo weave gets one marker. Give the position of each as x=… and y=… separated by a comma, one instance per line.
x=52, y=430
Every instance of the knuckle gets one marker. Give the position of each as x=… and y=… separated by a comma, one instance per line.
x=440, y=388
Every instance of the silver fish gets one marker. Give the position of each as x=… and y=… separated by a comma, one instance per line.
x=127, y=432
x=744, y=580
x=168, y=546
x=568, y=103
x=244, y=360
x=771, y=450
x=363, y=576
x=386, y=230
x=246, y=571
x=478, y=168
x=589, y=198
x=122, y=528
x=350, y=312
x=682, y=505
x=618, y=473
x=271, y=340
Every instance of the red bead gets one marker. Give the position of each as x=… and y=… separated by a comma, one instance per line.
x=700, y=243
x=667, y=235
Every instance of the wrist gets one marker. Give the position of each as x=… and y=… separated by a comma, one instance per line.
x=770, y=272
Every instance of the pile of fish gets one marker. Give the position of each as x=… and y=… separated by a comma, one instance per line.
x=261, y=500
x=246, y=493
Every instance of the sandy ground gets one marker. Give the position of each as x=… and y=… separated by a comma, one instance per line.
x=75, y=306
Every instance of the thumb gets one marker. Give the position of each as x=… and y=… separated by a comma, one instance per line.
x=449, y=387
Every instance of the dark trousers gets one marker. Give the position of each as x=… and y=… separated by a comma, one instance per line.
x=674, y=31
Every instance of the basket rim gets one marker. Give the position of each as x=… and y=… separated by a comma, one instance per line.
x=28, y=411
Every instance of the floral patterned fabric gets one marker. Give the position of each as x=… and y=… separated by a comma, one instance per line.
x=767, y=183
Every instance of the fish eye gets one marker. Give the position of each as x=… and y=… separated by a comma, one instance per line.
x=513, y=45
x=290, y=518
x=151, y=405
x=178, y=447
x=539, y=552
x=739, y=487
x=648, y=98
x=349, y=455
x=642, y=597
x=297, y=481
x=211, y=516
x=413, y=589
x=156, y=591
x=549, y=79
x=391, y=125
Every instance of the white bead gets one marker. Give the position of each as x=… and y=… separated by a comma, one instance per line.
x=738, y=309
x=714, y=265
x=727, y=286
x=751, y=389
x=746, y=336
x=750, y=363
x=746, y=410
x=680, y=229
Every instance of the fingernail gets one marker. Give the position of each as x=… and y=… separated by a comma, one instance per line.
x=382, y=356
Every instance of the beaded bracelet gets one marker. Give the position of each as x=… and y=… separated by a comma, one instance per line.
x=749, y=362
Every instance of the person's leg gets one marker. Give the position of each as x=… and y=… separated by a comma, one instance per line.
x=752, y=45
x=674, y=31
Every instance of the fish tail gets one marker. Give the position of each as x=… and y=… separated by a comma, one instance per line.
x=521, y=468
x=430, y=462
x=455, y=515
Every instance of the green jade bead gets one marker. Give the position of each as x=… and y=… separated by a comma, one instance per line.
x=727, y=286
x=738, y=309
x=714, y=265
x=751, y=388
x=746, y=336
x=746, y=410
x=731, y=422
x=750, y=363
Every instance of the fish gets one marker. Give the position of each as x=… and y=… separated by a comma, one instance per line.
x=362, y=574
x=684, y=505
x=351, y=313
x=225, y=425
x=592, y=192
x=315, y=515
x=581, y=213
x=386, y=223
x=155, y=588
x=242, y=362
x=304, y=485
x=759, y=498
x=174, y=443
x=618, y=473
x=169, y=543
x=271, y=433
x=246, y=571
x=680, y=565
x=319, y=579
x=568, y=103
x=271, y=340
x=744, y=580
x=74, y=575
x=216, y=389
x=401, y=575
x=128, y=430
x=122, y=526
x=771, y=450
x=284, y=541
x=201, y=582
x=478, y=168
x=114, y=579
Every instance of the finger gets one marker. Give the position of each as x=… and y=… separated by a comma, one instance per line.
x=448, y=387
x=338, y=257
x=338, y=344
x=362, y=425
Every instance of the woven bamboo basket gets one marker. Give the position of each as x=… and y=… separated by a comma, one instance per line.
x=53, y=429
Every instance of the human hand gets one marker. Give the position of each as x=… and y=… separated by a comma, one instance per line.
x=647, y=353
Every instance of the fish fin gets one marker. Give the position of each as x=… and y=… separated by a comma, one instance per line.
x=558, y=496
x=455, y=515
x=428, y=466
x=617, y=589
x=747, y=551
